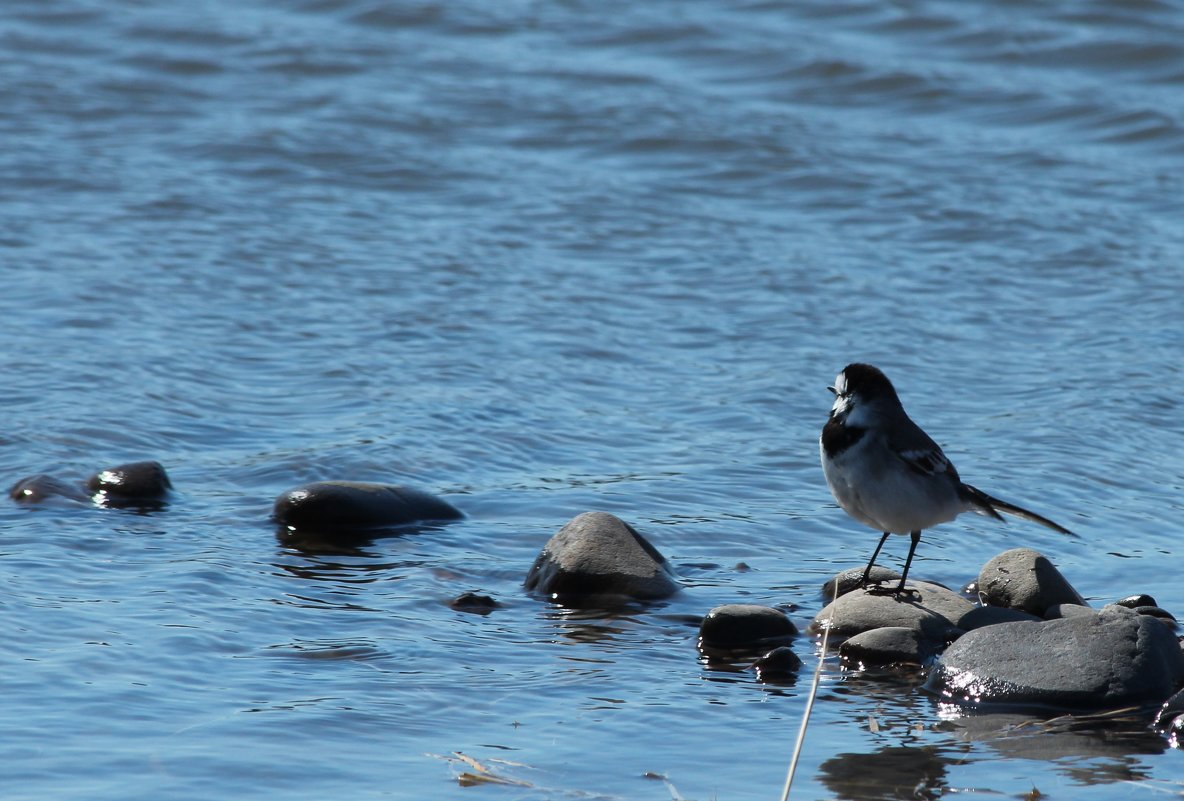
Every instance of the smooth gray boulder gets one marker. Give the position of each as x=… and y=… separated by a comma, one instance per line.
x=891, y=645
x=1058, y=611
x=599, y=555
x=991, y=616
x=349, y=507
x=1024, y=579
x=745, y=626
x=849, y=579
x=1104, y=660
x=931, y=611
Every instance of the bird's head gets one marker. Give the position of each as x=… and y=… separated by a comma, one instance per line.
x=861, y=391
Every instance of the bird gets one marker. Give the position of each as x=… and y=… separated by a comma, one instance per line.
x=887, y=473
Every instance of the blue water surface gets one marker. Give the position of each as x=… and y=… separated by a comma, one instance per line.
x=544, y=258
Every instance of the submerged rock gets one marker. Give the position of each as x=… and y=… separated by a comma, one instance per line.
x=350, y=507
x=779, y=665
x=1024, y=579
x=473, y=602
x=41, y=488
x=596, y=555
x=130, y=484
x=1095, y=661
x=140, y=484
x=745, y=626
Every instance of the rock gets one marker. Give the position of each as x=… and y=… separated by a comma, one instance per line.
x=779, y=665
x=132, y=484
x=992, y=615
x=1133, y=601
x=354, y=506
x=41, y=488
x=1160, y=614
x=596, y=555
x=1095, y=661
x=891, y=645
x=848, y=580
x=1024, y=579
x=745, y=626
x=1058, y=611
x=473, y=602
x=1172, y=709
x=931, y=611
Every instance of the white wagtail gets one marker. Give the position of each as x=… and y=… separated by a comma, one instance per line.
x=887, y=473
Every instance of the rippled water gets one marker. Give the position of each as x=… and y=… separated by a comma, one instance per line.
x=545, y=258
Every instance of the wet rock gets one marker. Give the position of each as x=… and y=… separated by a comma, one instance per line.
x=1095, y=661
x=891, y=645
x=1024, y=579
x=992, y=615
x=931, y=611
x=473, y=602
x=1172, y=709
x=596, y=555
x=848, y=580
x=355, y=506
x=745, y=626
x=41, y=488
x=779, y=665
x=130, y=484
x=1133, y=601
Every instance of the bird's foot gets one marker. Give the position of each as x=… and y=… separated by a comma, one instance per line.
x=898, y=591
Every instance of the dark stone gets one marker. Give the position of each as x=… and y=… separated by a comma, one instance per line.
x=1024, y=579
x=745, y=626
x=848, y=580
x=992, y=615
x=473, y=602
x=354, y=506
x=929, y=610
x=1059, y=611
x=1133, y=601
x=1095, y=661
x=779, y=665
x=891, y=645
x=598, y=555
x=1171, y=710
x=41, y=488
x=135, y=481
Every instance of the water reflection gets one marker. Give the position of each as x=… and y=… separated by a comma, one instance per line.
x=1090, y=749
x=892, y=772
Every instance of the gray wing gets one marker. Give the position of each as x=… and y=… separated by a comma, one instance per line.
x=915, y=448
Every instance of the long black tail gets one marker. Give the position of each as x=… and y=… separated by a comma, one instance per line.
x=989, y=505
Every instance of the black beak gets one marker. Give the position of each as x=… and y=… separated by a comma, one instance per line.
x=832, y=391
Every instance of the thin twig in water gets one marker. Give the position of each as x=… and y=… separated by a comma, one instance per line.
x=797, y=746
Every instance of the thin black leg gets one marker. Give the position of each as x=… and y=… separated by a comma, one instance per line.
x=867, y=570
x=915, y=536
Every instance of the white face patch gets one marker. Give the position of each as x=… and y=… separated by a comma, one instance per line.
x=842, y=402
x=841, y=384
